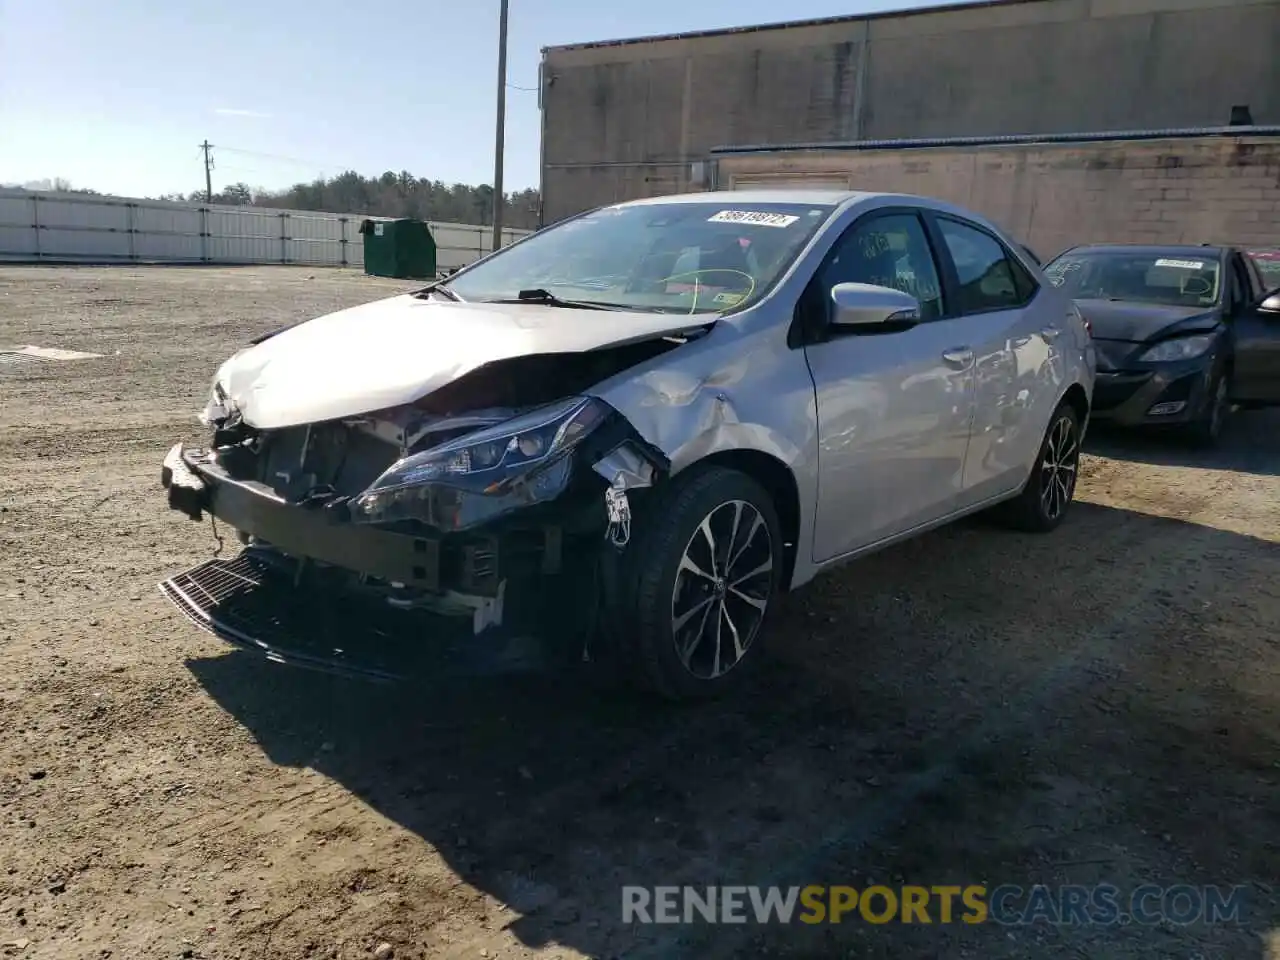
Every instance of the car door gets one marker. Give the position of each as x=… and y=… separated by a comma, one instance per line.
x=1014, y=328
x=1256, y=336
x=893, y=408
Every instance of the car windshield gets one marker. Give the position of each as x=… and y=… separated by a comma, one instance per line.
x=681, y=257
x=1187, y=279
x=1268, y=262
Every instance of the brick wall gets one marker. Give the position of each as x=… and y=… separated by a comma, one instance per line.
x=1184, y=190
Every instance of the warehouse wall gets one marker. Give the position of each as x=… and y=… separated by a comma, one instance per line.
x=58, y=227
x=625, y=120
x=1190, y=190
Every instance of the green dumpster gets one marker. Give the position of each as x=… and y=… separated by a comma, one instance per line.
x=403, y=249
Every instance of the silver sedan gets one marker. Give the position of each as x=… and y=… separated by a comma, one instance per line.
x=638, y=425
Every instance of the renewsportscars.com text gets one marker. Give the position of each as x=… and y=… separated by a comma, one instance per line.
x=1007, y=904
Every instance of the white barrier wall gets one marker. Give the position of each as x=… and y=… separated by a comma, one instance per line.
x=38, y=226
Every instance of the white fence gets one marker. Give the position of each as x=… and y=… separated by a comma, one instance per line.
x=37, y=226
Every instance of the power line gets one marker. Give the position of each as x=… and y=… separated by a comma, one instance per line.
x=240, y=171
x=283, y=159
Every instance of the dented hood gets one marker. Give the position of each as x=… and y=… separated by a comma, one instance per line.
x=398, y=350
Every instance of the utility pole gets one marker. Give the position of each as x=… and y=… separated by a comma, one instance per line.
x=208, y=167
x=501, y=128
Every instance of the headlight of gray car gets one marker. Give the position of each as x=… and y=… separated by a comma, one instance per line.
x=1182, y=348
x=218, y=407
x=476, y=478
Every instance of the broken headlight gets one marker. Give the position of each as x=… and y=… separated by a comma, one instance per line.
x=218, y=407
x=484, y=474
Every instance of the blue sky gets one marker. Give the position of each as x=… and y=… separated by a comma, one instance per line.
x=116, y=94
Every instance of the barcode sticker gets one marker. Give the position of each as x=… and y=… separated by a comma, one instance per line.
x=755, y=218
x=1181, y=264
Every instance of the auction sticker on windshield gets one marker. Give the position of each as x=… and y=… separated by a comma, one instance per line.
x=1181, y=264
x=754, y=218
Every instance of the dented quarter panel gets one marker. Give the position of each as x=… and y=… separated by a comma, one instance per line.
x=729, y=390
x=738, y=388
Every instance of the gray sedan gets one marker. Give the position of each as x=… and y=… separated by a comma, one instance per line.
x=628, y=432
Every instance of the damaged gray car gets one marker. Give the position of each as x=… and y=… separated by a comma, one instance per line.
x=626, y=434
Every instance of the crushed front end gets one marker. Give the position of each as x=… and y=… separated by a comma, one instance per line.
x=411, y=536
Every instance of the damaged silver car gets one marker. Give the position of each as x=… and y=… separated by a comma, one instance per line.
x=627, y=433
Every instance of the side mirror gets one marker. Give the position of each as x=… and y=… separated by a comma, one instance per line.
x=1270, y=303
x=872, y=309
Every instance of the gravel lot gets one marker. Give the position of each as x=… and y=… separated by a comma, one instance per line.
x=1099, y=705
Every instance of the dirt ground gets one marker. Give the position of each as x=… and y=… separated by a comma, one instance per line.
x=1099, y=705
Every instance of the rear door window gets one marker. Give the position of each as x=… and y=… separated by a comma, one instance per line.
x=989, y=277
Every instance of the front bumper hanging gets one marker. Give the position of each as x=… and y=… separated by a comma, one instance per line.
x=268, y=602
x=197, y=484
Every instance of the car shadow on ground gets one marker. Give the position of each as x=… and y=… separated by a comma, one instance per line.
x=1249, y=443
x=968, y=705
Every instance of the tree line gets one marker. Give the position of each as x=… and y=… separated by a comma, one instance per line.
x=390, y=195
x=56, y=185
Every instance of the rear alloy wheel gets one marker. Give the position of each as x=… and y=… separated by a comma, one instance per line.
x=1044, y=500
x=1207, y=430
x=703, y=575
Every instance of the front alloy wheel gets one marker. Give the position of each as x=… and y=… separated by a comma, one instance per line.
x=722, y=589
x=703, y=566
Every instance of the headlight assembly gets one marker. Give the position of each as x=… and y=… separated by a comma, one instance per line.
x=474, y=478
x=218, y=407
x=1181, y=348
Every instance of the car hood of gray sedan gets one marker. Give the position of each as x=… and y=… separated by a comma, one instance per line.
x=398, y=350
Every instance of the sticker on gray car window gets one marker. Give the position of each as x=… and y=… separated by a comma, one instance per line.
x=1181, y=264
x=755, y=218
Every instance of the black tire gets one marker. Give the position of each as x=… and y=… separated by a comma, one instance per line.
x=1035, y=510
x=1206, y=430
x=670, y=524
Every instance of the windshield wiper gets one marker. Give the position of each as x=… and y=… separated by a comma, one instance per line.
x=437, y=287
x=548, y=299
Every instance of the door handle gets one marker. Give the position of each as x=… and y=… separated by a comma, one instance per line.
x=960, y=356
x=1050, y=333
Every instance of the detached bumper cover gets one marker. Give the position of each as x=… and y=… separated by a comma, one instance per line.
x=197, y=484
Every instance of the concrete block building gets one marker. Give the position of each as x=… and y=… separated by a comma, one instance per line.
x=1067, y=120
